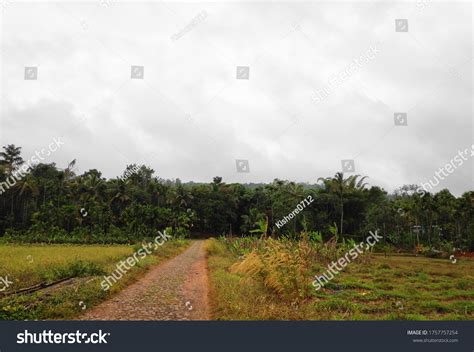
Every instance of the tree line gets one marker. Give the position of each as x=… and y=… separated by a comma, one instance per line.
x=49, y=204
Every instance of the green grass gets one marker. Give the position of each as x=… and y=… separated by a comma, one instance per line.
x=28, y=265
x=382, y=288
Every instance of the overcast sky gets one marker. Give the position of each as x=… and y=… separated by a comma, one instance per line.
x=191, y=118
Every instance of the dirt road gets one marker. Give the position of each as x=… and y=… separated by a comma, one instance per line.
x=174, y=290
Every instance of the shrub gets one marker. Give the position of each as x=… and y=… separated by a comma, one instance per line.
x=215, y=247
x=283, y=266
x=76, y=269
x=240, y=246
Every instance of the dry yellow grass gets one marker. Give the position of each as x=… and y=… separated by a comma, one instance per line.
x=380, y=288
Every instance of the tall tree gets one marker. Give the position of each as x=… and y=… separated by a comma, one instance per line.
x=342, y=186
x=11, y=158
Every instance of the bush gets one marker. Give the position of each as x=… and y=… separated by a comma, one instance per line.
x=281, y=265
x=240, y=246
x=76, y=269
x=285, y=266
x=215, y=247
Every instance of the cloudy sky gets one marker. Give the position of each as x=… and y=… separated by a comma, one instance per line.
x=191, y=118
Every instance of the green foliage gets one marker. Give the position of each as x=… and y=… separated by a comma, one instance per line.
x=78, y=268
x=333, y=230
x=55, y=205
x=315, y=236
x=262, y=227
x=240, y=246
x=348, y=244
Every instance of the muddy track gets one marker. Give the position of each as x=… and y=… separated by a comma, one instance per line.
x=174, y=290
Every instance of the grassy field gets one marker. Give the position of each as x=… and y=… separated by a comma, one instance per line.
x=379, y=288
x=28, y=265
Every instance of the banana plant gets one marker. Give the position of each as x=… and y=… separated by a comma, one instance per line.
x=262, y=227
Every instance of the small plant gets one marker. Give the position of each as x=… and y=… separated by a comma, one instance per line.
x=333, y=230
x=76, y=269
x=240, y=246
x=315, y=237
x=262, y=227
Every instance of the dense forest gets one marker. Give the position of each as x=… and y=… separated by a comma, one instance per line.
x=49, y=204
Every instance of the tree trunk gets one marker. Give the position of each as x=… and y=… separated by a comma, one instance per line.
x=342, y=213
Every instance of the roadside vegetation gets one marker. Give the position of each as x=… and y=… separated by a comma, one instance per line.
x=272, y=279
x=74, y=273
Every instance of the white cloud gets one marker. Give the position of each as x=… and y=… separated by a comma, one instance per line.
x=84, y=53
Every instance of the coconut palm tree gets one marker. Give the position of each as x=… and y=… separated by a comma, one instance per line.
x=11, y=158
x=119, y=195
x=27, y=190
x=342, y=186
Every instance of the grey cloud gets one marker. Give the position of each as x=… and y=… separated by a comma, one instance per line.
x=88, y=72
